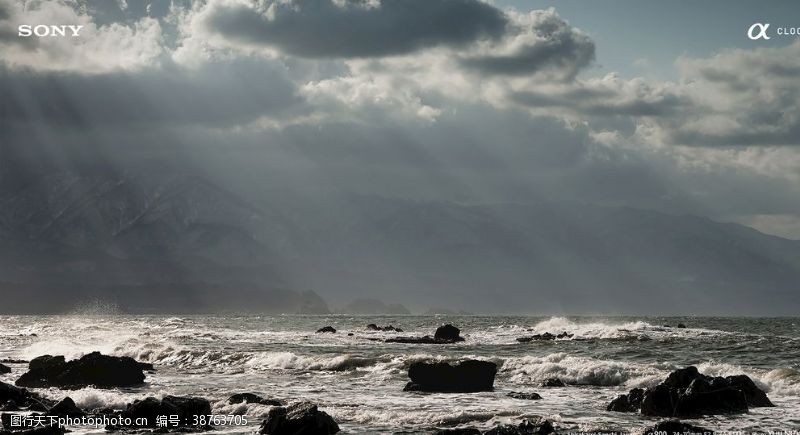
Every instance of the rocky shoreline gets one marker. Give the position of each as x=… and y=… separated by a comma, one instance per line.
x=685, y=393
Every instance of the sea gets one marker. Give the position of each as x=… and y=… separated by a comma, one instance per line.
x=358, y=379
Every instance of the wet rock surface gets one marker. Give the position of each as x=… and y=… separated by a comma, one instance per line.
x=465, y=377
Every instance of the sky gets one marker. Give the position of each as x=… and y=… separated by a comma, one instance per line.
x=656, y=105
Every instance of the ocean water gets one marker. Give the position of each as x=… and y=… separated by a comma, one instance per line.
x=359, y=380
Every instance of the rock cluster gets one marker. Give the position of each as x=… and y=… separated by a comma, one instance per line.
x=688, y=393
x=446, y=334
x=94, y=369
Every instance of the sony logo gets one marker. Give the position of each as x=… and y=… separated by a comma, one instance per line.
x=27, y=30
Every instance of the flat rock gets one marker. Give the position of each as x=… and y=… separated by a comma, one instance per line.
x=465, y=377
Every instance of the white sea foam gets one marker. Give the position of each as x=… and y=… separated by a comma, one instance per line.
x=573, y=370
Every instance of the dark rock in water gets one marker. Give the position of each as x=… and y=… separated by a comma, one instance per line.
x=681, y=325
x=151, y=408
x=458, y=431
x=544, y=337
x=756, y=398
x=101, y=371
x=66, y=408
x=448, y=333
x=524, y=396
x=147, y=367
x=553, y=383
x=298, y=419
x=350, y=334
x=630, y=402
x=330, y=329
x=465, y=377
x=688, y=393
x=253, y=398
x=527, y=427
x=374, y=327
x=4, y=369
x=22, y=398
x=675, y=427
x=416, y=340
x=45, y=361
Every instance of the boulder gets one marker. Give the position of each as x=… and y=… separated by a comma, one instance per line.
x=4, y=369
x=330, y=329
x=448, y=333
x=675, y=427
x=688, y=393
x=681, y=325
x=553, y=383
x=45, y=361
x=756, y=398
x=151, y=408
x=66, y=408
x=94, y=369
x=253, y=398
x=524, y=396
x=466, y=377
x=298, y=419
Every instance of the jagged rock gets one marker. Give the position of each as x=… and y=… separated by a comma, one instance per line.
x=12, y=396
x=675, y=427
x=448, y=333
x=330, y=329
x=66, y=408
x=466, y=377
x=630, y=402
x=688, y=393
x=101, y=371
x=253, y=398
x=553, y=383
x=374, y=327
x=298, y=419
x=151, y=408
x=527, y=427
x=524, y=396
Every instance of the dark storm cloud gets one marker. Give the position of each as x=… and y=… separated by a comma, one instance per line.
x=602, y=103
x=216, y=95
x=558, y=46
x=357, y=28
